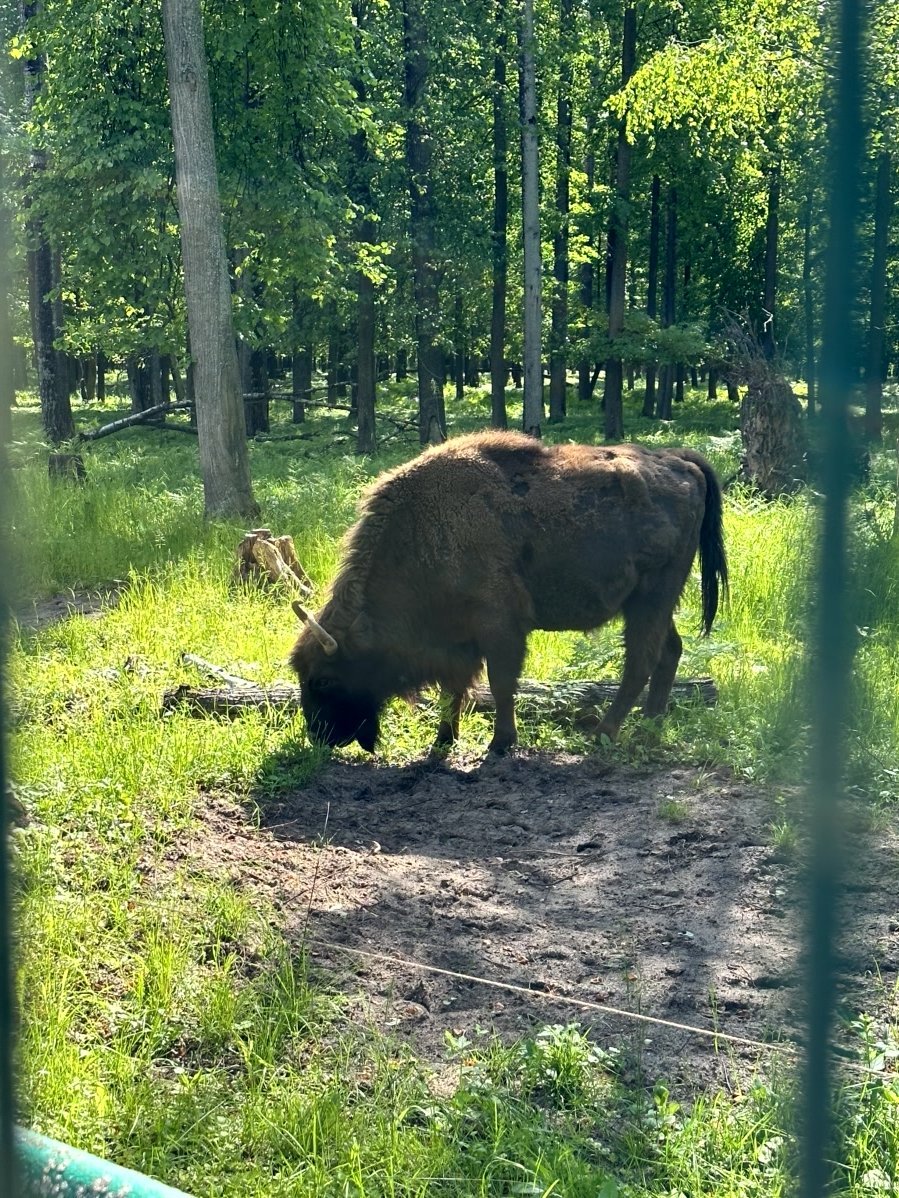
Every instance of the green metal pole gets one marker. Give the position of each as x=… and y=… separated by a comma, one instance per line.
x=832, y=633
x=8, y=1178
x=50, y=1168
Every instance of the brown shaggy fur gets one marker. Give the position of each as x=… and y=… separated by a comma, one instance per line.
x=459, y=554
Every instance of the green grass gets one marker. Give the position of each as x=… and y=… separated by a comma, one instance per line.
x=165, y=1023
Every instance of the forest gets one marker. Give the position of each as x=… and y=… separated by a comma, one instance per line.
x=255, y=255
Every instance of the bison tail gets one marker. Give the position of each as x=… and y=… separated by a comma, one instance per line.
x=712, y=557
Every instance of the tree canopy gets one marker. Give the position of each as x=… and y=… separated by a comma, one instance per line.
x=328, y=165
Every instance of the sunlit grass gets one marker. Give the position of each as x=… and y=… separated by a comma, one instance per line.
x=165, y=1022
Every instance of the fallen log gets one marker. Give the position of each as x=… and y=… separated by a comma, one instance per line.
x=115, y=426
x=573, y=700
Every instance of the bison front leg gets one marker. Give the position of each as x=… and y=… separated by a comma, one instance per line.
x=450, y=711
x=505, y=657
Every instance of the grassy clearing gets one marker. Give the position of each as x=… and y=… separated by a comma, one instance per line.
x=167, y=1026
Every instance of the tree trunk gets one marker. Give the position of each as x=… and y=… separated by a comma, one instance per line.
x=154, y=373
x=365, y=368
x=402, y=364
x=772, y=226
x=101, y=377
x=89, y=378
x=301, y=382
x=332, y=371
x=530, y=207
x=652, y=290
x=431, y=420
x=774, y=441
x=669, y=301
x=177, y=381
x=224, y=458
x=7, y=356
x=713, y=383
x=587, y=272
x=559, y=328
x=52, y=368
x=67, y=364
x=138, y=383
x=459, y=363
x=256, y=410
x=360, y=187
x=875, y=348
x=808, y=301
x=498, y=415
x=613, y=399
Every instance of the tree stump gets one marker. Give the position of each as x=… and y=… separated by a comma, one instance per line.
x=775, y=447
x=68, y=466
x=274, y=559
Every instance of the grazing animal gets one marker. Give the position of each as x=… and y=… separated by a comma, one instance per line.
x=462, y=552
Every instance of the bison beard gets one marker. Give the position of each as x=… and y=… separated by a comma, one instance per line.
x=461, y=553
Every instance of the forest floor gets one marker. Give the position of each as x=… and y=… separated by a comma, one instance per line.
x=667, y=893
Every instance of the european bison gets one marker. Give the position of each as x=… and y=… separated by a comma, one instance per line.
x=459, y=554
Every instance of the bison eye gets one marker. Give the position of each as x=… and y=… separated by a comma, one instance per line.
x=322, y=686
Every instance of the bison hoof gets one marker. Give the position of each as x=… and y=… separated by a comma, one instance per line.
x=606, y=731
x=499, y=746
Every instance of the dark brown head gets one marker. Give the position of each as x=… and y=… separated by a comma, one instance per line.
x=337, y=701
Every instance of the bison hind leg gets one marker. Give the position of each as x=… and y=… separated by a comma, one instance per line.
x=451, y=703
x=651, y=646
x=505, y=657
x=663, y=675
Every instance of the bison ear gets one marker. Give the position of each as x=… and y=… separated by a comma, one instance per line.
x=362, y=632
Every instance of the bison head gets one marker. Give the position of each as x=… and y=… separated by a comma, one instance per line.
x=335, y=692
x=336, y=716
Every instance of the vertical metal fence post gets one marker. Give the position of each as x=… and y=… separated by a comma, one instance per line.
x=8, y=1174
x=831, y=637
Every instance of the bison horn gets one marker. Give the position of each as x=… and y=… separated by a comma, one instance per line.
x=325, y=639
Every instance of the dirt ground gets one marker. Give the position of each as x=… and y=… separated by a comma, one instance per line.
x=655, y=892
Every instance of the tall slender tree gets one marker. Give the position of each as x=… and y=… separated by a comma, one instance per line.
x=587, y=269
x=808, y=302
x=530, y=220
x=652, y=289
x=419, y=155
x=614, y=410
x=499, y=240
x=875, y=346
x=559, y=329
x=360, y=188
x=224, y=460
x=669, y=301
x=52, y=368
x=772, y=235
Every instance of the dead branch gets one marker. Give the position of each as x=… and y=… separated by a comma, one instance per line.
x=105, y=430
x=208, y=667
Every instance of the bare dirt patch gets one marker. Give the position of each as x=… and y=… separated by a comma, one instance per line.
x=88, y=603
x=658, y=892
